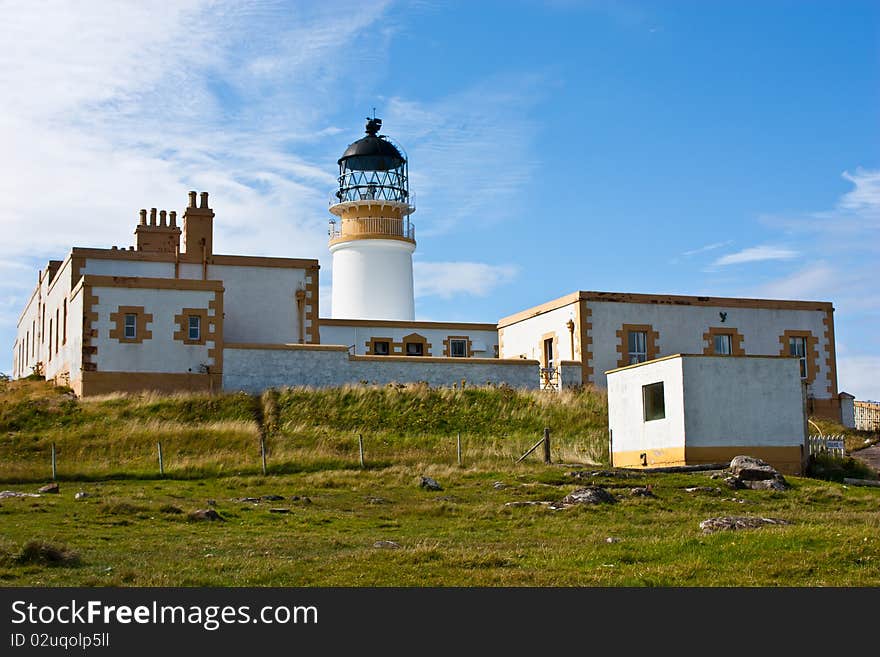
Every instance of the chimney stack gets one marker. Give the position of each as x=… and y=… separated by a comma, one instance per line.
x=198, y=229
x=192, y=200
x=152, y=216
x=143, y=219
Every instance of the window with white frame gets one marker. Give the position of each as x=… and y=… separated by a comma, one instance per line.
x=458, y=348
x=723, y=344
x=637, y=347
x=195, y=327
x=130, y=326
x=797, y=346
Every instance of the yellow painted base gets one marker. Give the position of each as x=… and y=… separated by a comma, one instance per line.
x=787, y=459
x=103, y=383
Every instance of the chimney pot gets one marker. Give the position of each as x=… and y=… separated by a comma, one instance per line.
x=192, y=200
x=172, y=219
x=204, y=201
x=162, y=215
x=143, y=219
x=152, y=216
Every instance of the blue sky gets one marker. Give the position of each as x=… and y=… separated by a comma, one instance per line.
x=720, y=148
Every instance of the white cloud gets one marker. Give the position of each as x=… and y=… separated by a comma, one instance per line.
x=756, y=254
x=814, y=282
x=449, y=279
x=857, y=375
x=708, y=247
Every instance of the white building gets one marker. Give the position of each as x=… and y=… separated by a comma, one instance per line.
x=694, y=409
x=606, y=330
x=168, y=313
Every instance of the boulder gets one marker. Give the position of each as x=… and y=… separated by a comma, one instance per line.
x=589, y=495
x=429, y=484
x=731, y=523
x=734, y=482
x=49, y=488
x=206, y=514
x=766, y=484
x=748, y=468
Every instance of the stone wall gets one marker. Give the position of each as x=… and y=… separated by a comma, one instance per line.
x=253, y=369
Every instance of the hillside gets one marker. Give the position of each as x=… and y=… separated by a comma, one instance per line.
x=116, y=436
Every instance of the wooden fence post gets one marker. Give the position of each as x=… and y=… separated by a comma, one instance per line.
x=546, y=444
x=361, y=449
x=458, y=448
x=54, y=464
x=161, y=463
x=263, y=452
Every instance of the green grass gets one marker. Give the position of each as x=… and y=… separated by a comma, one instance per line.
x=134, y=528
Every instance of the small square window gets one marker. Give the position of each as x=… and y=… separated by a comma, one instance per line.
x=458, y=348
x=381, y=348
x=195, y=327
x=130, y=331
x=653, y=401
x=722, y=345
x=415, y=349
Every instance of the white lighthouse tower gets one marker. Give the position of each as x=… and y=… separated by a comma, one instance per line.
x=373, y=242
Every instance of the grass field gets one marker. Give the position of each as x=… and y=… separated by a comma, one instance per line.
x=133, y=529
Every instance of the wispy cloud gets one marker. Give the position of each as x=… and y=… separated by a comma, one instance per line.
x=756, y=254
x=816, y=281
x=704, y=249
x=450, y=279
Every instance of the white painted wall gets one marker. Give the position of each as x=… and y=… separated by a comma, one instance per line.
x=525, y=338
x=254, y=370
x=126, y=267
x=161, y=353
x=681, y=330
x=742, y=401
x=260, y=302
x=483, y=342
x=847, y=412
x=373, y=279
x=629, y=431
x=75, y=337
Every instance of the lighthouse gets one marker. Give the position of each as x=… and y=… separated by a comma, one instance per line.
x=372, y=239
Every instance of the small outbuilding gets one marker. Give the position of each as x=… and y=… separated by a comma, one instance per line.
x=696, y=409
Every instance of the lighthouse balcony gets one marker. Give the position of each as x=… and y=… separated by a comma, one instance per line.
x=358, y=228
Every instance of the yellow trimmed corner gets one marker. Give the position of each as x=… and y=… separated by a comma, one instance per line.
x=787, y=459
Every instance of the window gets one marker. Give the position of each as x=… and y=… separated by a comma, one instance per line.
x=195, y=327
x=797, y=346
x=722, y=344
x=381, y=348
x=653, y=401
x=130, y=327
x=458, y=348
x=415, y=349
x=638, y=347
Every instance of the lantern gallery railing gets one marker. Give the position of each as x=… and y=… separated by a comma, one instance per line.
x=362, y=226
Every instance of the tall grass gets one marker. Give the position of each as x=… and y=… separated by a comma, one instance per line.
x=116, y=436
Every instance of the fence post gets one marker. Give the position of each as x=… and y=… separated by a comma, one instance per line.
x=361, y=449
x=458, y=446
x=263, y=452
x=546, y=444
x=161, y=463
x=54, y=464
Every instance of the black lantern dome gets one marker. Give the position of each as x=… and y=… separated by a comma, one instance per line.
x=373, y=168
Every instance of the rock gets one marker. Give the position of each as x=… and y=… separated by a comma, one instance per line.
x=702, y=489
x=498, y=485
x=589, y=474
x=731, y=523
x=748, y=468
x=527, y=503
x=386, y=545
x=206, y=514
x=377, y=500
x=734, y=482
x=81, y=495
x=49, y=488
x=589, y=495
x=613, y=539
x=766, y=484
x=272, y=498
x=212, y=502
x=279, y=510
x=716, y=475
x=642, y=491
x=429, y=484
x=251, y=500
x=14, y=493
